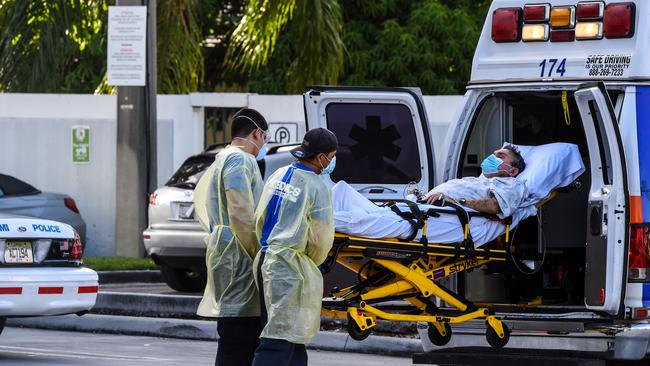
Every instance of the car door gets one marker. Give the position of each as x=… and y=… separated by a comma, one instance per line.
x=384, y=138
x=608, y=214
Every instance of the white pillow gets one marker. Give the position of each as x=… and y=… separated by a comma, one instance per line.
x=549, y=167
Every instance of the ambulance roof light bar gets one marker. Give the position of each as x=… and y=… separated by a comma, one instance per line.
x=539, y=22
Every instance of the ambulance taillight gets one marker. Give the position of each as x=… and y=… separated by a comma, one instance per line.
x=506, y=25
x=639, y=253
x=618, y=21
x=590, y=10
x=537, y=13
x=588, y=20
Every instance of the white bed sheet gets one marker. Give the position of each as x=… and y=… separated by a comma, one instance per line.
x=356, y=215
x=548, y=167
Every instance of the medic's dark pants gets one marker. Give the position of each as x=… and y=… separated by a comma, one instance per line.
x=276, y=352
x=238, y=339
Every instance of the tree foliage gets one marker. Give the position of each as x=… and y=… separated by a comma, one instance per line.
x=273, y=46
x=180, y=57
x=52, y=46
x=218, y=21
x=316, y=36
x=425, y=43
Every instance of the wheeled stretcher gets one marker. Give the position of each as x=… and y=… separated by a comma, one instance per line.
x=410, y=270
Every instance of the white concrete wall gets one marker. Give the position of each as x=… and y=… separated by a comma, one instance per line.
x=35, y=146
x=35, y=133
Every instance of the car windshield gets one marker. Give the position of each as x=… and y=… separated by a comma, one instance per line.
x=10, y=186
x=190, y=172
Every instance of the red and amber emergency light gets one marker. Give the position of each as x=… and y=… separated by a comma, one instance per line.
x=618, y=21
x=506, y=25
x=588, y=20
x=589, y=30
x=537, y=13
x=563, y=17
x=563, y=36
x=590, y=10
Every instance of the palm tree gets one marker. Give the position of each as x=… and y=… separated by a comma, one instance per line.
x=50, y=46
x=59, y=46
x=316, y=25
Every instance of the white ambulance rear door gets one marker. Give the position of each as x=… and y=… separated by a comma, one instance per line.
x=385, y=144
x=608, y=210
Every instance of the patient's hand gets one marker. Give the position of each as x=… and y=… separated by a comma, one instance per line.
x=437, y=196
x=433, y=197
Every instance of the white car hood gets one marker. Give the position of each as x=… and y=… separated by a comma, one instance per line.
x=26, y=227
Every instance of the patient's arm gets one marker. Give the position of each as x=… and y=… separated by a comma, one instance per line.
x=485, y=205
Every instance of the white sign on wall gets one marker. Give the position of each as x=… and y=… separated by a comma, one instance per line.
x=127, y=45
x=283, y=132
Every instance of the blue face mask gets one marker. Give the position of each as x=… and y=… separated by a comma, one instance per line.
x=491, y=164
x=330, y=167
x=262, y=153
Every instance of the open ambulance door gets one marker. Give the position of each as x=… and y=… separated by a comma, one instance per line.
x=608, y=212
x=384, y=137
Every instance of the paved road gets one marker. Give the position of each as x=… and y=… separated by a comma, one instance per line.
x=42, y=347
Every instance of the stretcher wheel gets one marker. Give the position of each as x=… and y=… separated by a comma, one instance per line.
x=436, y=337
x=493, y=338
x=355, y=332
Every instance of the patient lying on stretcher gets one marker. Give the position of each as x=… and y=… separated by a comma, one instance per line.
x=510, y=186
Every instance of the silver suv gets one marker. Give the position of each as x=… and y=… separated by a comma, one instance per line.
x=174, y=239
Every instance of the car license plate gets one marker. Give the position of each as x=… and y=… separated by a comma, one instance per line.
x=18, y=252
x=185, y=210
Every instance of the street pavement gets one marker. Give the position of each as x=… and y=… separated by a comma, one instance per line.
x=20, y=346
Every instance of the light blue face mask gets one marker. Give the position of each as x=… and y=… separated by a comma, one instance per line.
x=261, y=150
x=262, y=153
x=330, y=167
x=491, y=164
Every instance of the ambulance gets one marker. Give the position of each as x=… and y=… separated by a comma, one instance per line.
x=556, y=71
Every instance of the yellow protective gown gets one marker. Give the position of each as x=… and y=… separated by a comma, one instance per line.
x=224, y=203
x=296, y=228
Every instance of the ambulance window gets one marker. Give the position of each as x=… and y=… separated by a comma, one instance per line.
x=377, y=143
x=605, y=157
x=487, y=135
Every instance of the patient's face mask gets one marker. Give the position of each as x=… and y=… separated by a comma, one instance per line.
x=491, y=164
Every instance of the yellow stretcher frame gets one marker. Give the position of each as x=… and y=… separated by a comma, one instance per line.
x=414, y=269
x=415, y=266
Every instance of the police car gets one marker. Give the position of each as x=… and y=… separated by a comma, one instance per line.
x=543, y=72
x=41, y=269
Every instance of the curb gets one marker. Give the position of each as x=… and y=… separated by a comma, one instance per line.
x=184, y=306
x=130, y=276
x=207, y=330
x=125, y=303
